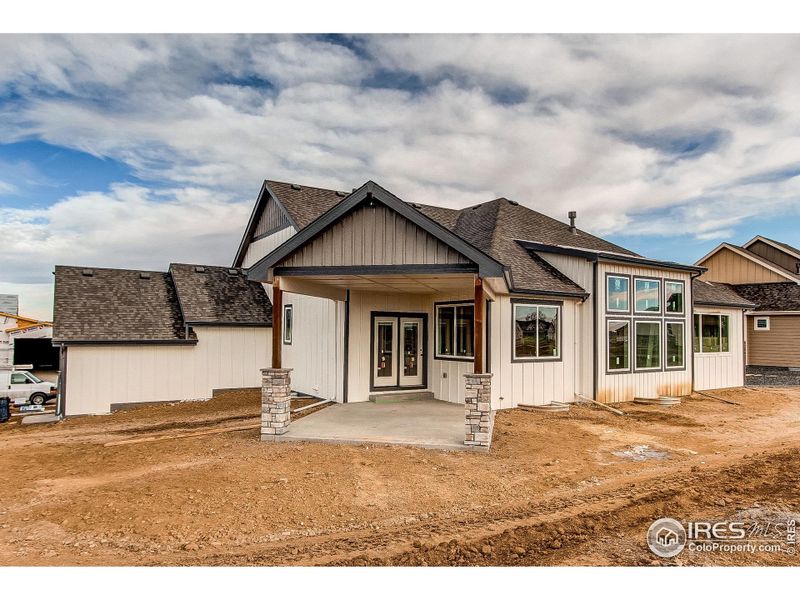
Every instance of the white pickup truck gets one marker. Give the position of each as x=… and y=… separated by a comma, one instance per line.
x=24, y=387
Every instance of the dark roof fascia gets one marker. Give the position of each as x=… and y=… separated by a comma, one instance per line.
x=261, y=202
x=125, y=342
x=610, y=257
x=581, y=295
x=727, y=304
x=410, y=269
x=487, y=266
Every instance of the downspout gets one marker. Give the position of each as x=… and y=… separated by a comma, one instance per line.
x=61, y=398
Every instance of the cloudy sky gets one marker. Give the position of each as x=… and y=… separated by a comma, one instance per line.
x=137, y=151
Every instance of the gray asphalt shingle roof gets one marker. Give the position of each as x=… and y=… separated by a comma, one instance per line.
x=305, y=203
x=121, y=305
x=115, y=305
x=220, y=295
x=718, y=294
x=771, y=296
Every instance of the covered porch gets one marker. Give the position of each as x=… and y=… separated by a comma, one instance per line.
x=414, y=301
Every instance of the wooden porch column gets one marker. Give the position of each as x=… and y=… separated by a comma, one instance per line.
x=480, y=306
x=277, y=323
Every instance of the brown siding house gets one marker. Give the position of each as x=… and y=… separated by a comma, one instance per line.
x=766, y=273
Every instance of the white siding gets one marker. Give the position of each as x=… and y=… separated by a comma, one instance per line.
x=581, y=271
x=315, y=353
x=531, y=382
x=721, y=369
x=260, y=248
x=624, y=387
x=224, y=357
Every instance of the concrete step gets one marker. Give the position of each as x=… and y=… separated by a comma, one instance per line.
x=400, y=396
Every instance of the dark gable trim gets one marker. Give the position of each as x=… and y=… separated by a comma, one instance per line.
x=263, y=197
x=369, y=192
x=611, y=257
x=125, y=342
x=377, y=270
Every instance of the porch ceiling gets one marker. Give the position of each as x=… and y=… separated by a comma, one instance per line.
x=407, y=284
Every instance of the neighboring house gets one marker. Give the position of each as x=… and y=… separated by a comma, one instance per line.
x=766, y=273
x=18, y=334
x=9, y=304
x=369, y=295
x=143, y=336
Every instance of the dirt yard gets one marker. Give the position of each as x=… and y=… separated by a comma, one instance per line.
x=577, y=488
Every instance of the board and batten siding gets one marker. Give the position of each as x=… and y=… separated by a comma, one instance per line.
x=727, y=266
x=581, y=271
x=624, y=387
x=777, y=347
x=272, y=219
x=315, y=354
x=373, y=236
x=716, y=370
x=772, y=254
x=224, y=357
x=530, y=382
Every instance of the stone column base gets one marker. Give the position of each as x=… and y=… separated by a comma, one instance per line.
x=479, y=419
x=276, y=401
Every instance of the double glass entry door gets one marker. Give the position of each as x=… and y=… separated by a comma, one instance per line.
x=398, y=351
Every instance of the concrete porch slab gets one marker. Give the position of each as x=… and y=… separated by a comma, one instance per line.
x=422, y=423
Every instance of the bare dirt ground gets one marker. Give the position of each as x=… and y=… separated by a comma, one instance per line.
x=551, y=492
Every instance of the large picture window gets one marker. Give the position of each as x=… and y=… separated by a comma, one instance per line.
x=711, y=333
x=537, y=331
x=619, y=343
x=617, y=293
x=673, y=297
x=675, y=345
x=648, y=345
x=647, y=295
x=455, y=331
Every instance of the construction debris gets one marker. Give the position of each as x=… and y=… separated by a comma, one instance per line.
x=552, y=407
x=592, y=401
x=660, y=401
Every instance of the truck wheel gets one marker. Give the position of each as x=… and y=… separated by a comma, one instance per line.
x=38, y=399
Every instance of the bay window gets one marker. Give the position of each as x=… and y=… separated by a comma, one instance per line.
x=648, y=345
x=619, y=343
x=647, y=295
x=537, y=332
x=675, y=345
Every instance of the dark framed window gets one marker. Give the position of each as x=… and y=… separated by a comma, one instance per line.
x=647, y=295
x=618, y=293
x=288, y=318
x=711, y=333
x=675, y=357
x=673, y=297
x=618, y=339
x=648, y=345
x=455, y=331
x=537, y=331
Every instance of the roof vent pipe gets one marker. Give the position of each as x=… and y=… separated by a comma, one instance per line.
x=572, y=215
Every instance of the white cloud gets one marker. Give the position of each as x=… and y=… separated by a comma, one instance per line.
x=590, y=123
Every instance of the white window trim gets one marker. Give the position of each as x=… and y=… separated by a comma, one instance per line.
x=660, y=346
x=700, y=345
x=288, y=331
x=682, y=367
x=683, y=297
x=537, y=358
x=651, y=313
x=620, y=311
x=757, y=328
x=454, y=305
x=627, y=369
